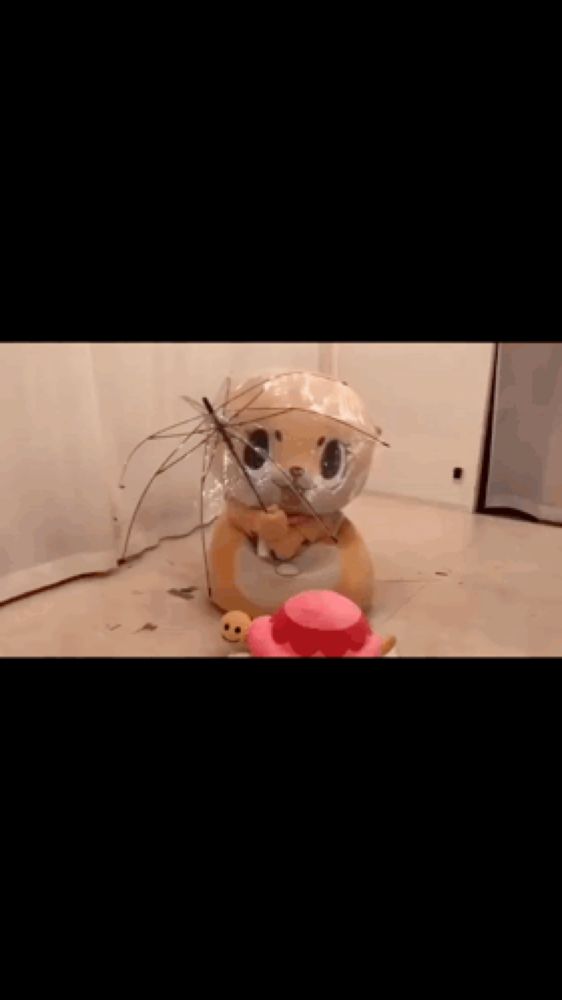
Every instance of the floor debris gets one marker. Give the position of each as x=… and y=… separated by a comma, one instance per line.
x=185, y=592
x=149, y=627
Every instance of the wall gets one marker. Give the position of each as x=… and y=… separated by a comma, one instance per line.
x=431, y=401
x=244, y=360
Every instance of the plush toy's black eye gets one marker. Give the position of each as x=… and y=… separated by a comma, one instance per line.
x=226, y=627
x=332, y=459
x=237, y=630
x=252, y=457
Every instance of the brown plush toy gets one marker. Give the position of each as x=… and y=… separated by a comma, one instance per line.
x=303, y=444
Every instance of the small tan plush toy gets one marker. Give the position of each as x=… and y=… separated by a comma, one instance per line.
x=234, y=629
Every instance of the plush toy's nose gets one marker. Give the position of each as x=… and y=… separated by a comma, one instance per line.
x=296, y=471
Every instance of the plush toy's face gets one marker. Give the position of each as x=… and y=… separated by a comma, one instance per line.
x=301, y=452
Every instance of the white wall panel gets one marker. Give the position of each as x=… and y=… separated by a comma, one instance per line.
x=244, y=360
x=431, y=401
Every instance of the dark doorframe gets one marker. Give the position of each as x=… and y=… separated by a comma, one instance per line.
x=485, y=464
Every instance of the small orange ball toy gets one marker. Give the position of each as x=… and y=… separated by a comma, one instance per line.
x=234, y=626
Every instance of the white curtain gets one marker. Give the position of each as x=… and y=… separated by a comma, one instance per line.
x=526, y=448
x=69, y=416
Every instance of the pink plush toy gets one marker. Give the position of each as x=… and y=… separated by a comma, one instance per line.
x=316, y=623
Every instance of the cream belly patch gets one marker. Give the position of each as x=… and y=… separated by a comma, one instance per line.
x=259, y=581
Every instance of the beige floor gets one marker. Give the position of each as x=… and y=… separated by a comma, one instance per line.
x=450, y=584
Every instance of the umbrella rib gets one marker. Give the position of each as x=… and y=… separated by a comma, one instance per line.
x=226, y=436
x=163, y=467
x=303, y=409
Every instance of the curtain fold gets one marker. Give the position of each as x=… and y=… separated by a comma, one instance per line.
x=54, y=505
x=526, y=448
x=70, y=413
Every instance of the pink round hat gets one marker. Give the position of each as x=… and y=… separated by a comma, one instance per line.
x=314, y=623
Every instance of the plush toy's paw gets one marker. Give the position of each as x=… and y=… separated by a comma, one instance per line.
x=273, y=524
x=388, y=645
x=288, y=546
